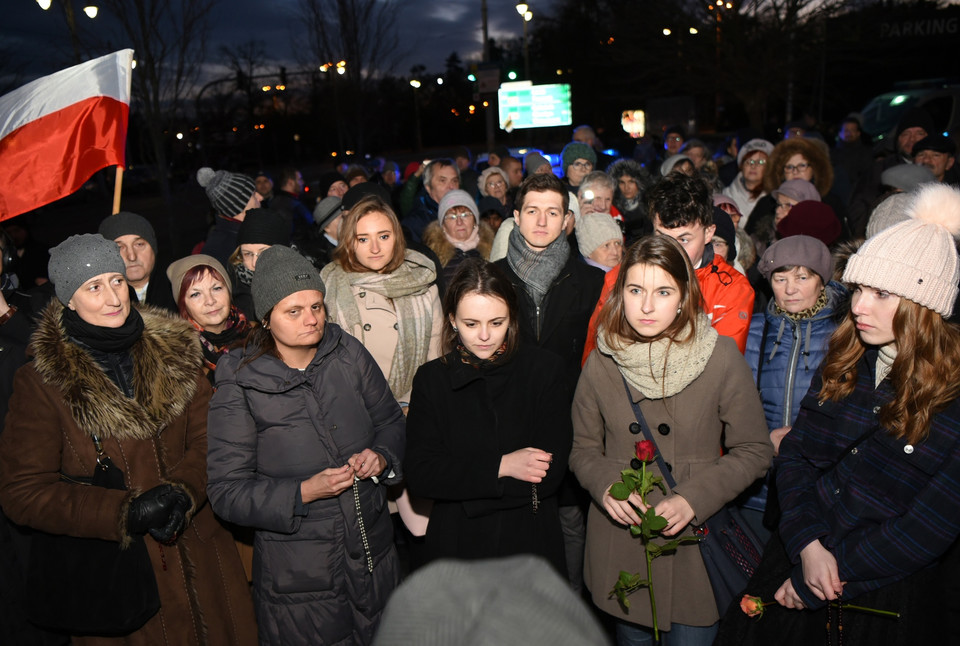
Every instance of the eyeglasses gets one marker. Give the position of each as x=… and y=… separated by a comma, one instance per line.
x=457, y=216
x=497, y=184
x=783, y=205
x=798, y=168
x=675, y=138
x=582, y=165
x=756, y=162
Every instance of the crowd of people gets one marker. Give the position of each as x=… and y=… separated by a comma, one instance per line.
x=329, y=407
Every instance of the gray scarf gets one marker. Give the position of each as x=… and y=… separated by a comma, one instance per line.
x=537, y=269
x=663, y=368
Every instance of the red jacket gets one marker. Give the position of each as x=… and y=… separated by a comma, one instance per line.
x=727, y=300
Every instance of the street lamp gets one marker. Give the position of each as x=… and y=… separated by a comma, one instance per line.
x=415, y=84
x=89, y=9
x=524, y=10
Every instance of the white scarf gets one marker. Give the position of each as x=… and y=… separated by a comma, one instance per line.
x=464, y=245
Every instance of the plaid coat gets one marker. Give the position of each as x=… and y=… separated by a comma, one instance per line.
x=888, y=508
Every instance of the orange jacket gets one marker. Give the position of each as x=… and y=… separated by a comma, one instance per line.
x=727, y=299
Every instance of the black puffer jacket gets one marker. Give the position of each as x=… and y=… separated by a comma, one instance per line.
x=271, y=427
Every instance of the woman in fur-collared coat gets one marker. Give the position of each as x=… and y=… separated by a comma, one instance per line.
x=133, y=378
x=458, y=233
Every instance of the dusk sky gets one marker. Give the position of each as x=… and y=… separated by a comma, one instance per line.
x=38, y=42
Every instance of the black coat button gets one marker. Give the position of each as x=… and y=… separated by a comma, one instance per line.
x=669, y=466
x=635, y=463
x=634, y=428
x=366, y=327
x=663, y=429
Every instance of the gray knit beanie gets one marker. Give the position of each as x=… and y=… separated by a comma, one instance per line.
x=574, y=151
x=533, y=161
x=125, y=223
x=456, y=197
x=594, y=230
x=893, y=210
x=228, y=192
x=916, y=259
x=78, y=259
x=282, y=271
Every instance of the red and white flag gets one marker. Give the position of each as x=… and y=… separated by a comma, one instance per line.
x=60, y=129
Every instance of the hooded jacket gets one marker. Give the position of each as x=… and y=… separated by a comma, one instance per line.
x=157, y=436
x=272, y=427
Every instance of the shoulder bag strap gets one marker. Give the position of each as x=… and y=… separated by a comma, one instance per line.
x=647, y=435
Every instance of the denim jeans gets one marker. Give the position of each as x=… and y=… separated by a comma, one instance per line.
x=679, y=635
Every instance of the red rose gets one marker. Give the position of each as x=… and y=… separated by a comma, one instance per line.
x=646, y=451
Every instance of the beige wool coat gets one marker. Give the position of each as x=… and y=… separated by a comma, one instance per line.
x=687, y=428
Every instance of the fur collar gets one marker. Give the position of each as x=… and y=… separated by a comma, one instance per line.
x=166, y=361
x=433, y=237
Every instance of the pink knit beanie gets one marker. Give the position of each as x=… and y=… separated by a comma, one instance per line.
x=916, y=259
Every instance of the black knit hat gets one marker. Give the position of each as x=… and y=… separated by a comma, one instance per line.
x=726, y=231
x=125, y=223
x=327, y=180
x=264, y=226
x=228, y=192
x=360, y=191
x=916, y=118
x=282, y=271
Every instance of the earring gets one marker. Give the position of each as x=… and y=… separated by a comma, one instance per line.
x=455, y=329
x=679, y=309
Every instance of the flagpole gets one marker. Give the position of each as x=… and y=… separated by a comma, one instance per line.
x=117, y=188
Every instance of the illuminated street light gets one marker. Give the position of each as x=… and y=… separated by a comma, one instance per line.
x=693, y=31
x=341, y=70
x=44, y=4
x=522, y=8
x=91, y=11
x=512, y=75
x=179, y=135
x=414, y=83
x=667, y=32
x=439, y=80
x=266, y=88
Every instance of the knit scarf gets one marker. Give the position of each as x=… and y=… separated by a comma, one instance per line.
x=408, y=288
x=243, y=274
x=807, y=313
x=216, y=344
x=885, y=357
x=662, y=368
x=104, y=339
x=537, y=269
x=464, y=245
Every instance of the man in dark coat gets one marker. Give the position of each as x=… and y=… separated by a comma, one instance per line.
x=137, y=242
x=556, y=294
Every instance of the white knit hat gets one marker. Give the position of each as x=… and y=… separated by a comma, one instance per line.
x=916, y=259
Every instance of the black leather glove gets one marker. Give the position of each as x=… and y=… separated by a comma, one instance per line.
x=177, y=520
x=150, y=509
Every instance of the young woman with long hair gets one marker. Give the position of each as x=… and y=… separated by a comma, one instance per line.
x=489, y=432
x=694, y=387
x=869, y=476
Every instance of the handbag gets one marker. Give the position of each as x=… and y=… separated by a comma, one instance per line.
x=90, y=586
x=730, y=550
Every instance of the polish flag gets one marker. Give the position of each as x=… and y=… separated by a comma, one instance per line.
x=60, y=129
